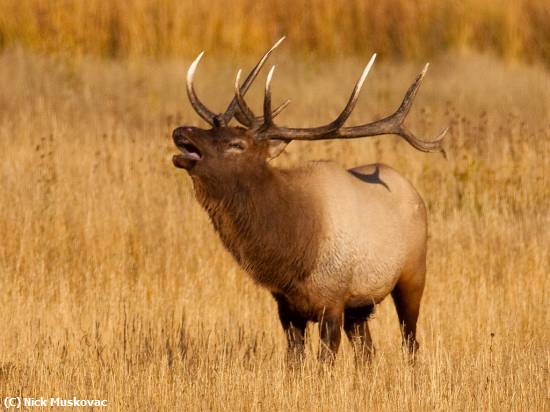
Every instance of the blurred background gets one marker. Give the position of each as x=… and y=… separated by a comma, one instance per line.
x=401, y=29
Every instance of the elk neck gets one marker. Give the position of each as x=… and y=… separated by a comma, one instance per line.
x=270, y=224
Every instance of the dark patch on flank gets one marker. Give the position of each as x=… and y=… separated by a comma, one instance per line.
x=373, y=178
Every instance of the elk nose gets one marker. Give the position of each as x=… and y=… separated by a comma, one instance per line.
x=180, y=133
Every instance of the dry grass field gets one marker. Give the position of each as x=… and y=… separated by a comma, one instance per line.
x=403, y=29
x=114, y=285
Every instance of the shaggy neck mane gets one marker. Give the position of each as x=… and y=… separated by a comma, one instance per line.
x=271, y=227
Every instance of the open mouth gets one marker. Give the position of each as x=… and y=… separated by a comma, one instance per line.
x=190, y=154
x=189, y=150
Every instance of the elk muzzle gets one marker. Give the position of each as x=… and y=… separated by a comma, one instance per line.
x=190, y=153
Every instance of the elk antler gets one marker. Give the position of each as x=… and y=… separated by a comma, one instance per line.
x=199, y=107
x=234, y=108
x=248, y=118
x=392, y=124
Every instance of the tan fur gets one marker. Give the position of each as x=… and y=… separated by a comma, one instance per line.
x=372, y=232
x=361, y=235
x=263, y=224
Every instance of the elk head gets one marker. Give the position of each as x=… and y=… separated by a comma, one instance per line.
x=228, y=149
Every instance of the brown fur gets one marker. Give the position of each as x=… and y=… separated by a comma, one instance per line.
x=259, y=214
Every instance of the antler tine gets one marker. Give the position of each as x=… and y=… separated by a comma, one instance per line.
x=268, y=117
x=279, y=109
x=199, y=107
x=403, y=110
x=406, y=104
x=249, y=119
x=342, y=117
x=234, y=105
x=425, y=145
x=246, y=112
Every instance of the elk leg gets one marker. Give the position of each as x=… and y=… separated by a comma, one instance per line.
x=357, y=330
x=329, y=331
x=294, y=326
x=406, y=296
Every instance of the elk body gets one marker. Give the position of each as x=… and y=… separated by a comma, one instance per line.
x=328, y=243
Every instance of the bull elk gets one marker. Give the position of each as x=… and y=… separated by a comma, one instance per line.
x=328, y=243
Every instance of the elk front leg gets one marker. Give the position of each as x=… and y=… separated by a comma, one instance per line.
x=357, y=329
x=294, y=326
x=329, y=331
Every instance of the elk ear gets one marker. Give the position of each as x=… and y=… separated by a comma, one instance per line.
x=276, y=147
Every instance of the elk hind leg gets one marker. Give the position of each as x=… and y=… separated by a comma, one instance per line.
x=406, y=296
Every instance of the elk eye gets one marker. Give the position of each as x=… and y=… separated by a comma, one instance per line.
x=236, y=145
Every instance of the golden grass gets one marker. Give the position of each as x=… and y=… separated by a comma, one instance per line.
x=115, y=287
x=515, y=29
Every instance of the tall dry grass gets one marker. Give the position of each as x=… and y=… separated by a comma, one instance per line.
x=515, y=29
x=115, y=287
